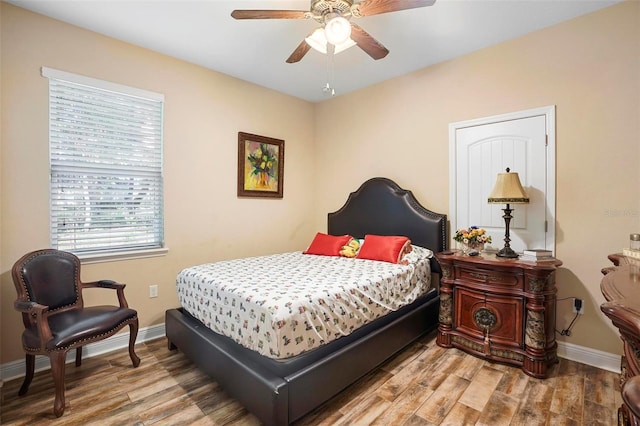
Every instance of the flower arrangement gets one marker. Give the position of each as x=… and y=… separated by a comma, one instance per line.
x=263, y=162
x=472, y=235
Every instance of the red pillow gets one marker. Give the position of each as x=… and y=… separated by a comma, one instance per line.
x=327, y=245
x=387, y=248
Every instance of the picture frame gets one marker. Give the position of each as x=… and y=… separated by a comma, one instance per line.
x=260, y=166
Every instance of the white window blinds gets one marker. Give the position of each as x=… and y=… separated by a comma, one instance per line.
x=105, y=145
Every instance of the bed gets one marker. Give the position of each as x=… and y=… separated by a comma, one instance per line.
x=279, y=392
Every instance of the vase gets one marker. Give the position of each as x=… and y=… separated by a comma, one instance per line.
x=467, y=247
x=264, y=180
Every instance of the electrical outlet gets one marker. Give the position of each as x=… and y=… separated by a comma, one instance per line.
x=153, y=290
x=578, y=306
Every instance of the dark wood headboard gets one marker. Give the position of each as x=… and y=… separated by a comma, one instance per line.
x=381, y=207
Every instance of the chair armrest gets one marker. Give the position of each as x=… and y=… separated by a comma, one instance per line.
x=28, y=307
x=119, y=287
x=38, y=315
x=104, y=284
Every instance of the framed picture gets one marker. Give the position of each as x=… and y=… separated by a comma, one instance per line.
x=260, y=166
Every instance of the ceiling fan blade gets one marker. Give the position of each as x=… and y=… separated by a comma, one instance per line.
x=269, y=14
x=367, y=43
x=299, y=53
x=375, y=7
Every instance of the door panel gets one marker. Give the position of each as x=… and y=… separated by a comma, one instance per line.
x=484, y=149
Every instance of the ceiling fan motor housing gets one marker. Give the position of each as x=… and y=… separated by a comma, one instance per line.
x=320, y=8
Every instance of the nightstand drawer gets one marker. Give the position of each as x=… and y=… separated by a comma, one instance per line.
x=482, y=276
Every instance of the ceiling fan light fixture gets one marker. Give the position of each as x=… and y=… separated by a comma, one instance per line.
x=317, y=40
x=337, y=30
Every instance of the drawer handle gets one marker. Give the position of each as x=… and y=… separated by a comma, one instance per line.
x=487, y=343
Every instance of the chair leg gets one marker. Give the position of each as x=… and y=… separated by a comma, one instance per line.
x=79, y=356
x=133, y=335
x=30, y=365
x=58, y=359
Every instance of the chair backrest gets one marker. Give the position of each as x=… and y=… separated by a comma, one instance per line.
x=48, y=277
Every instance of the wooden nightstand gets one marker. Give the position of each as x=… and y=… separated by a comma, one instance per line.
x=502, y=310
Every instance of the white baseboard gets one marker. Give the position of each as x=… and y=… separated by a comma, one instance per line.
x=593, y=357
x=14, y=369
x=11, y=370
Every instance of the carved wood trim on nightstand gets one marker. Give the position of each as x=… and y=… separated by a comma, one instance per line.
x=446, y=272
x=446, y=306
x=534, y=334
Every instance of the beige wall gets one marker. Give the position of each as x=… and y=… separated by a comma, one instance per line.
x=204, y=110
x=588, y=67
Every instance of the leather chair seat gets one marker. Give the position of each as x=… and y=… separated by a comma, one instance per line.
x=71, y=327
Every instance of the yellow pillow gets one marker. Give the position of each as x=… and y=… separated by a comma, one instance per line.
x=350, y=249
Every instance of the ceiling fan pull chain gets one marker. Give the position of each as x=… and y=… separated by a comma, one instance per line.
x=332, y=66
x=328, y=89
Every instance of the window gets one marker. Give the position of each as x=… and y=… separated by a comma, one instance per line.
x=105, y=152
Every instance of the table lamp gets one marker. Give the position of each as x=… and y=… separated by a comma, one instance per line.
x=508, y=190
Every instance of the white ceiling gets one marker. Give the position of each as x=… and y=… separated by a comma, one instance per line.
x=203, y=32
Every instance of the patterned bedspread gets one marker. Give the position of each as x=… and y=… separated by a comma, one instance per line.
x=285, y=304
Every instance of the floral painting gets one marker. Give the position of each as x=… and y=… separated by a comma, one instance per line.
x=260, y=166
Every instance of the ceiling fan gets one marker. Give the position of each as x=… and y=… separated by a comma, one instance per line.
x=334, y=17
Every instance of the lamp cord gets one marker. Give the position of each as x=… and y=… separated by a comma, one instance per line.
x=567, y=331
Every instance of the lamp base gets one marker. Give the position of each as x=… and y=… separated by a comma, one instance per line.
x=507, y=252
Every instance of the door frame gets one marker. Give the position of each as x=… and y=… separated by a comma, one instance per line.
x=549, y=113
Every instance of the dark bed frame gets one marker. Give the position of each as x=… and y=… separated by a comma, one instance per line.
x=280, y=392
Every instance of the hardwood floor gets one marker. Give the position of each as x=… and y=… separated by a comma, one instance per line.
x=423, y=385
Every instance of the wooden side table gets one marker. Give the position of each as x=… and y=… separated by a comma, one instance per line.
x=499, y=309
x=621, y=287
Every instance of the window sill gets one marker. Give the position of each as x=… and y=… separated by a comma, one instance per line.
x=88, y=258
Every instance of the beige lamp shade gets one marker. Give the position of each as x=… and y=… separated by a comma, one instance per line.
x=508, y=190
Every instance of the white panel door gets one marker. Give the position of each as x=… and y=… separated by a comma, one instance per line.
x=482, y=149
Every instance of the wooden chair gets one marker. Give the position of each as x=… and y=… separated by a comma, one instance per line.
x=55, y=318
